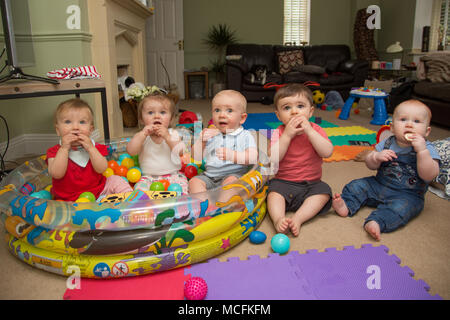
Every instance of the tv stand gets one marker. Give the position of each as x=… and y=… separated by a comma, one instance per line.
x=31, y=89
x=17, y=73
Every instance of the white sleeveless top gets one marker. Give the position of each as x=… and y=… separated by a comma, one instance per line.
x=156, y=159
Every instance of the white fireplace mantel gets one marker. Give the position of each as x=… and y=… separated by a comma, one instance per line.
x=118, y=35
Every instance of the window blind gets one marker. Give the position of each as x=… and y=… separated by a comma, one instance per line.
x=296, y=21
x=444, y=20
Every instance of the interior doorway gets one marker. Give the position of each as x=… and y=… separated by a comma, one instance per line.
x=165, y=43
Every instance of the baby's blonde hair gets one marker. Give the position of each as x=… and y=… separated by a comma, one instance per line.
x=240, y=99
x=163, y=98
x=74, y=103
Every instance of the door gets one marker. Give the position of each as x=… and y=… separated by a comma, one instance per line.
x=165, y=43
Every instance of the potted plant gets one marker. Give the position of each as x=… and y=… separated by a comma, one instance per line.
x=217, y=39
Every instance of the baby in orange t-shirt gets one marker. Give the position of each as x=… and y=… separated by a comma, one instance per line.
x=297, y=148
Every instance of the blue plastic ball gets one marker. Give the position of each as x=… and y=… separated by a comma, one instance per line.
x=43, y=194
x=257, y=237
x=123, y=156
x=175, y=187
x=280, y=243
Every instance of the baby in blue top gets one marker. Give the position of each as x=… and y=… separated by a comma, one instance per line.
x=405, y=164
x=227, y=148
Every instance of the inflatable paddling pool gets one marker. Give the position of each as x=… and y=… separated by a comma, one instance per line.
x=127, y=234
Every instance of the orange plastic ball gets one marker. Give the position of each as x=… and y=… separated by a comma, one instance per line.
x=121, y=171
x=108, y=172
x=113, y=164
x=165, y=183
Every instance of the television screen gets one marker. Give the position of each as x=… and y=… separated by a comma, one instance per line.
x=20, y=46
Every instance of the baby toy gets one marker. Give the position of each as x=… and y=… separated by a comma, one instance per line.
x=318, y=97
x=195, y=289
x=257, y=237
x=157, y=186
x=27, y=188
x=88, y=195
x=133, y=175
x=280, y=243
x=175, y=187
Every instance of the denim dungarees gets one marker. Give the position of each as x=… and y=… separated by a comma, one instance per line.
x=396, y=191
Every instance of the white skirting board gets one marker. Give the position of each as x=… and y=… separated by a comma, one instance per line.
x=33, y=144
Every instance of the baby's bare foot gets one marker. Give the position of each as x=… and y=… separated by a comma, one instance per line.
x=373, y=228
x=295, y=228
x=282, y=224
x=339, y=205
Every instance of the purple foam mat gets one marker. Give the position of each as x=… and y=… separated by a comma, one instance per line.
x=367, y=273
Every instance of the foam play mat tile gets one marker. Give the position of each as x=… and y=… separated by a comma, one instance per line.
x=347, y=140
x=366, y=273
x=167, y=285
x=345, y=131
x=345, y=153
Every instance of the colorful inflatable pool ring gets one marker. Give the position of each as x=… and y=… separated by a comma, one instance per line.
x=127, y=234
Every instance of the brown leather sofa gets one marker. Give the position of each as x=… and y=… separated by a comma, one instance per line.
x=329, y=65
x=433, y=87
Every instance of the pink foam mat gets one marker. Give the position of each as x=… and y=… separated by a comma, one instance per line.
x=167, y=285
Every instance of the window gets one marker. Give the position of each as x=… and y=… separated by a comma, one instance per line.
x=440, y=25
x=444, y=24
x=296, y=22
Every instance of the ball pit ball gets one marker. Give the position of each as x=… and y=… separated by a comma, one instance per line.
x=257, y=237
x=133, y=175
x=127, y=162
x=280, y=243
x=108, y=172
x=175, y=187
x=88, y=195
x=27, y=188
x=124, y=156
x=190, y=171
x=82, y=200
x=195, y=289
x=165, y=183
x=121, y=171
x=192, y=164
x=113, y=164
x=157, y=186
x=43, y=194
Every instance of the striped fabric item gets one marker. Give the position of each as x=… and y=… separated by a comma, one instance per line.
x=85, y=72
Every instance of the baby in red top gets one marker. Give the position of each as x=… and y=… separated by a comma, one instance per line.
x=297, y=147
x=76, y=164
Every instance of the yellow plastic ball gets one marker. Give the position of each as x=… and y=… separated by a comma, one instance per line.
x=108, y=172
x=82, y=200
x=133, y=175
x=127, y=162
x=49, y=188
x=318, y=97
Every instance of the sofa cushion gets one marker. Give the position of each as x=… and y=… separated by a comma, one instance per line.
x=437, y=66
x=288, y=60
x=327, y=56
x=310, y=68
x=433, y=90
x=300, y=77
x=253, y=54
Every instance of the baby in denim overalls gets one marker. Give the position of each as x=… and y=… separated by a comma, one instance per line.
x=405, y=164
